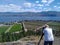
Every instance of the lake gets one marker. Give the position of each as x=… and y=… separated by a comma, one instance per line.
x=12, y=18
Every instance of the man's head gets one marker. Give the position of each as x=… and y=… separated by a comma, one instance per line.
x=46, y=25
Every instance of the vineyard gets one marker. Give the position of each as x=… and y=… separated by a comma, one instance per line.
x=7, y=33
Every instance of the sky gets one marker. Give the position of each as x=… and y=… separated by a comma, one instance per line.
x=29, y=5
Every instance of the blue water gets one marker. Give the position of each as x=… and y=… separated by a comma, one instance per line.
x=20, y=18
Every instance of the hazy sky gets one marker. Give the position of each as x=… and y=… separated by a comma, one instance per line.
x=29, y=5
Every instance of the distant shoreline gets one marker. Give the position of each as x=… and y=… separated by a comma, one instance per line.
x=28, y=21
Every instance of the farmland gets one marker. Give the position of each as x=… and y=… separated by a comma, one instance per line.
x=15, y=28
x=6, y=32
x=3, y=28
x=10, y=30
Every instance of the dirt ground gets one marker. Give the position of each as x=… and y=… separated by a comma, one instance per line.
x=56, y=41
x=35, y=39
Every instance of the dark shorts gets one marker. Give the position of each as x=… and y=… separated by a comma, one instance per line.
x=48, y=42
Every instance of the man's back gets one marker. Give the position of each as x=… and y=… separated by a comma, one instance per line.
x=48, y=34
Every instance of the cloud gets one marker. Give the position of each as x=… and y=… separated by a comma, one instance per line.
x=37, y=1
x=55, y=6
x=27, y=4
x=47, y=9
x=44, y=1
x=16, y=8
x=47, y=2
x=50, y=1
x=40, y=5
x=32, y=10
x=10, y=8
x=29, y=7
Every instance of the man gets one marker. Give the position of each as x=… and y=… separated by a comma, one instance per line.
x=48, y=35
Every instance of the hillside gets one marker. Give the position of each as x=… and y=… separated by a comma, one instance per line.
x=46, y=13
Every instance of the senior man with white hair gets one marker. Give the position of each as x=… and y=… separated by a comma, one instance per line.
x=48, y=35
